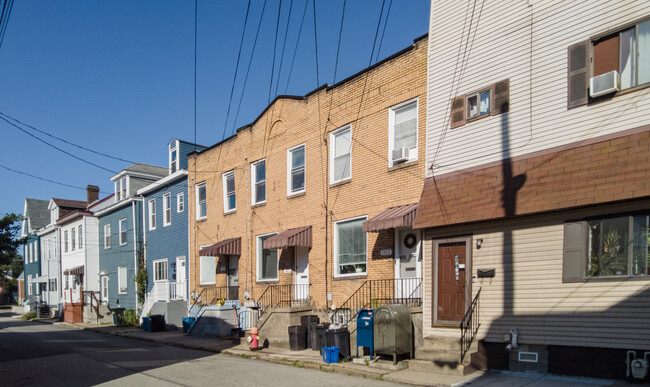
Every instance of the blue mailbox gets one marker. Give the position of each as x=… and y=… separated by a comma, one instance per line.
x=365, y=328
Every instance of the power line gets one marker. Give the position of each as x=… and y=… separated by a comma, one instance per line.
x=4, y=19
x=295, y=50
x=284, y=43
x=313, y=2
x=55, y=147
x=63, y=140
x=383, y=32
x=275, y=45
x=44, y=179
x=372, y=53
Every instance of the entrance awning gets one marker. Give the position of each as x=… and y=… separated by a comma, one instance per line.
x=77, y=270
x=299, y=236
x=230, y=246
x=399, y=216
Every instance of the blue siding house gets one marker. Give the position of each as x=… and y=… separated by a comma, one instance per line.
x=166, y=237
x=35, y=217
x=121, y=235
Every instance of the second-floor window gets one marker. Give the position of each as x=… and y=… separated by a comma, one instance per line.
x=229, y=199
x=107, y=236
x=152, y=214
x=258, y=177
x=201, y=205
x=340, y=155
x=122, y=227
x=65, y=241
x=73, y=234
x=296, y=170
x=180, y=202
x=81, y=238
x=173, y=160
x=167, y=209
x=160, y=270
x=403, y=132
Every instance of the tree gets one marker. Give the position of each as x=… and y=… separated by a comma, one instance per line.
x=9, y=243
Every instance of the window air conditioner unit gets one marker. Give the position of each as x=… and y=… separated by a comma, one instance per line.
x=400, y=155
x=603, y=84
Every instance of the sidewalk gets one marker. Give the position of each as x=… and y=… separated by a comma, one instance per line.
x=383, y=370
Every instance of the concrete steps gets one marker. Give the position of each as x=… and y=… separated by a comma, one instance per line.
x=441, y=354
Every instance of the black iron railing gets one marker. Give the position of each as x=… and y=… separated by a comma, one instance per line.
x=276, y=296
x=376, y=293
x=469, y=326
x=212, y=295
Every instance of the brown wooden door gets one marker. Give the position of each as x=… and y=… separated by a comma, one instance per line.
x=451, y=282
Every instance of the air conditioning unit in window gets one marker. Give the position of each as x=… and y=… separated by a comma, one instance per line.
x=400, y=155
x=603, y=84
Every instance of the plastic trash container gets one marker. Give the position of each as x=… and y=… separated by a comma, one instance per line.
x=319, y=340
x=339, y=338
x=309, y=319
x=118, y=314
x=187, y=323
x=297, y=337
x=146, y=324
x=330, y=355
x=157, y=322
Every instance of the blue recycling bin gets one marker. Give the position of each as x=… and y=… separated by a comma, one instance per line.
x=187, y=323
x=146, y=324
x=365, y=328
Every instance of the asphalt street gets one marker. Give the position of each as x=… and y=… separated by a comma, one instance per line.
x=33, y=353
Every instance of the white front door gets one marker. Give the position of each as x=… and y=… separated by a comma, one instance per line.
x=302, y=273
x=407, y=264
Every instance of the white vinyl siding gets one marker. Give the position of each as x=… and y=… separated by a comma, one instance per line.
x=167, y=210
x=341, y=155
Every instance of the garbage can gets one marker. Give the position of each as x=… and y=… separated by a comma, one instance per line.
x=146, y=324
x=157, y=322
x=330, y=355
x=310, y=334
x=393, y=331
x=319, y=339
x=365, y=329
x=118, y=313
x=187, y=323
x=298, y=337
x=309, y=319
x=339, y=338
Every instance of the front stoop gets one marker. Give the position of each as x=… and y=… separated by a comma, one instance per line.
x=442, y=355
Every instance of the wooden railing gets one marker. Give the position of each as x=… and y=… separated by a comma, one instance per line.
x=469, y=326
x=94, y=301
x=283, y=296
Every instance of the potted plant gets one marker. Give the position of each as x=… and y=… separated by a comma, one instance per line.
x=359, y=268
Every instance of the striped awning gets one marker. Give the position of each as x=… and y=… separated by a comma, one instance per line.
x=77, y=270
x=299, y=236
x=230, y=246
x=399, y=216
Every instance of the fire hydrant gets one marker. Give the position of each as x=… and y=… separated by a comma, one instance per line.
x=253, y=339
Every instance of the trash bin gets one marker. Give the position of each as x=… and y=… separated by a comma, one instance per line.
x=330, y=355
x=146, y=324
x=339, y=338
x=187, y=323
x=365, y=328
x=118, y=313
x=298, y=337
x=310, y=333
x=393, y=331
x=309, y=319
x=319, y=338
x=157, y=322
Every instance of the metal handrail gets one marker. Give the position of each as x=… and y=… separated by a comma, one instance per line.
x=469, y=326
x=94, y=301
x=283, y=296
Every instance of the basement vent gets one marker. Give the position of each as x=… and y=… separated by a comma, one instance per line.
x=528, y=357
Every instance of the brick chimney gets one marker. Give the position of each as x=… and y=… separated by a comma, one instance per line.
x=92, y=193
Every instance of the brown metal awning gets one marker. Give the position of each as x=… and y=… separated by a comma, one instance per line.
x=400, y=216
x=230, y=246
x=77, y=270
x=299, y=236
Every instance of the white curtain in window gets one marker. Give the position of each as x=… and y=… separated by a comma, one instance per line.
x=644, y=52
x=628, y=53
x=342, y=146
x=208, y=269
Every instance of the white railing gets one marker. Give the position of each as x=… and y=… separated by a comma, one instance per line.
x=178, y=290
x=160, y=291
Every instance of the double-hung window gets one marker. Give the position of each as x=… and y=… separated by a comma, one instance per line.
x=267, y=260
x=173, y=159
x=65, y=241
x=81, y=238
x=180, y=202
x=296, y=170
x=403, y=132
x=160, y=270
x=73, y=238
x=122, y=280
x=107, y=236
x=208, y=269
x=167, y=209
x=122, y=227
x=229, y=199
x=201, y=205
x=258, y=184
x=350, y=247
x=340, y=154
x=152, y=214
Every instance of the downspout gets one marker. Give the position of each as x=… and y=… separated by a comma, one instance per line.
x=135, y=252
x=144, y=236
x=248, y=225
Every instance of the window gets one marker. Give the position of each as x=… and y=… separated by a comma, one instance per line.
x=152, y=214
x=340, y=154
x=173, y=158
x=53, y=284
x=123, y=188
x=81, y=238
x=167, y=209
x=73, y=238
x=403, y=132
x=208, y=269
x=258, y=184
x=105, y=288
x=487, y=101
x=201, y=205
x=29, y=285
x=160, y=270
x=478, y=104
x=267, y=260
x=180, y=202
x=122, y=227
x=67, y=281
x=229, y=200
x=121, y=279
x=65, y=241
x=350, y=247
x=296, y=170
x=107, y=236
x=607, y=247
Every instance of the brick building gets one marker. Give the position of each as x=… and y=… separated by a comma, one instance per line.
x=302, y=198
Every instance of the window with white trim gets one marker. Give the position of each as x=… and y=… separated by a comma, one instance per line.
x=81, y=238
x=107, y=236
x=123, y=183
x=151, y=204
x=73, y=238
x=403, y=132
x=341, y=154
x=267, y=260
x=160, y=270
x=29, y=285
x=350, y=247
x=208, y=269
x=173, y=158
x=122, y=280
x=167, y=209
x=180, y=202
x=258, y=182
x=122, y=226
x=65, y=241
x=296, y=170
x=201, y=204
x=229, y=199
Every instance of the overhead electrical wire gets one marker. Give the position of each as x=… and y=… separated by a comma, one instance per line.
x=44, y=179
x=4, y=18
x=284, y=43
x=372, y=53
x=383, y=32
x=275, y=45
x=295, y=49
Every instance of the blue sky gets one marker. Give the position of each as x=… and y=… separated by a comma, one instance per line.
x=118, y=77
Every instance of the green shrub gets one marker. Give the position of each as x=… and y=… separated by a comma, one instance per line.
x=29, y=316
x=130, y=318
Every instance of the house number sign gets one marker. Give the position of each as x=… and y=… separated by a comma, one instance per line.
x=457, y=261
